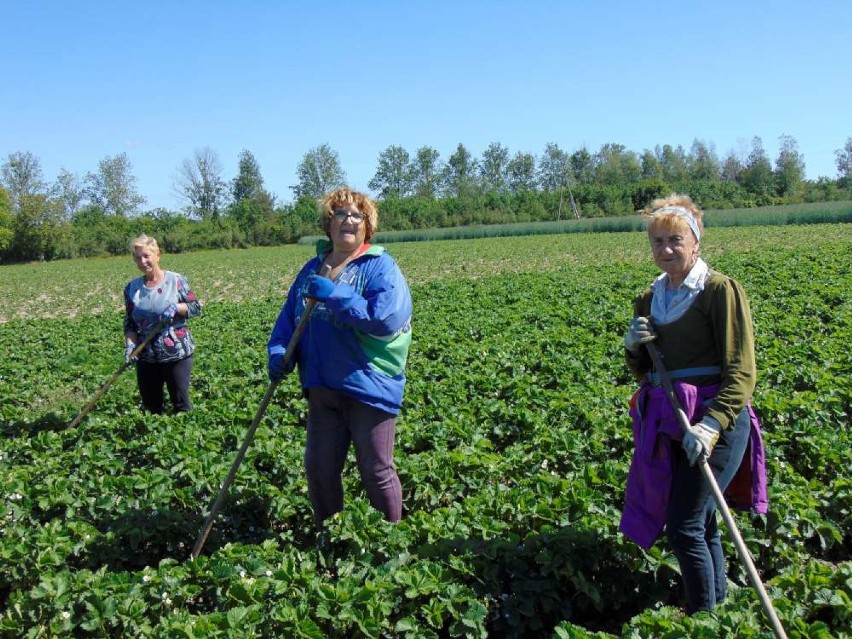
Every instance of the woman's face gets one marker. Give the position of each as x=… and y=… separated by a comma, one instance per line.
x=675, y=251
x=147, y=259
x=348, y=228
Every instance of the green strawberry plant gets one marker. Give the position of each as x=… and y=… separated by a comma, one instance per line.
x=512, y=448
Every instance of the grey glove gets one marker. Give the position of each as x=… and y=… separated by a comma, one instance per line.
x=700, y=439
x=640, y=332
x=128, y=353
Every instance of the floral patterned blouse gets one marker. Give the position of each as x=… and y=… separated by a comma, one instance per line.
x=143, y=307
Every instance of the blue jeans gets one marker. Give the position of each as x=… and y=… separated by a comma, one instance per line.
x=335, y=421
x=691, y=525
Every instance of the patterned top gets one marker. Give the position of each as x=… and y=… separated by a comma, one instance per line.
x=143, y=307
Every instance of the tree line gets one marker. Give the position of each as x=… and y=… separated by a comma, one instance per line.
x=97, y=213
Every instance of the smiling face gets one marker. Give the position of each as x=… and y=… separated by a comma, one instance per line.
x=675, y=250
x=147, y=259
x=348, y=228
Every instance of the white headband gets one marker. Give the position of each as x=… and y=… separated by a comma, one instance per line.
x=684, y=214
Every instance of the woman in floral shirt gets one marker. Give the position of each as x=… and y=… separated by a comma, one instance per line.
x=159, y=301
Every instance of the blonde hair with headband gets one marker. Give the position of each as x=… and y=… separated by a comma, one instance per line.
x=675, y=211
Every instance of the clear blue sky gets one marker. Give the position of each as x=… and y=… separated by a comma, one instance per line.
x=85, y=80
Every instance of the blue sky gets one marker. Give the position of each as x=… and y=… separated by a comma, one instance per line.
x=85, y=80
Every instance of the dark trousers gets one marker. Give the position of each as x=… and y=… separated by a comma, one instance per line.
x=691, y=525
x=336, y=420
x=176, y=377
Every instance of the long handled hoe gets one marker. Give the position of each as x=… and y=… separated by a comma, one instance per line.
x=261, y=410
x=103, y=389
x=742, y=549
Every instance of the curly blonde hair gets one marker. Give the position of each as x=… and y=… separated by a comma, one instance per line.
x=344, y=196
x=670, y=220
x=144, y=241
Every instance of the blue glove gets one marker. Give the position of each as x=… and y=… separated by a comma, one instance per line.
x=169, y=314
x=278, y=368
x=319, y=287
x=128, y=353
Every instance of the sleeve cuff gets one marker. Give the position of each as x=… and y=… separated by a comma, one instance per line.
x=712, y=422
x=276, y=349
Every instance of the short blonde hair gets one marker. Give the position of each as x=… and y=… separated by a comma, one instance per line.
x=671, y=221
x=144, y=241
x=344, y=196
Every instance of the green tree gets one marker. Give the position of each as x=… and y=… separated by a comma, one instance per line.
x=38, y=231
x=7, y=221
x=113, y=186
x=199, y=184
x=703, y=164
x=650, y=166
x=394, y=175
x=253, y=207
x=583, y=166
x=68, y=191
x=789, y=168
x=460, y=173
x=646, y=191
x=521, y=173
x=757, y=177
x=673, y=162
x=97, y=233
x=248, y=183
x=616, y=165
x=31, y=228
x=248, y=215
x=554, y=168
x=427, y=172
x=318, y=173
x=302, y=217
x=22, y=177
x=494, y=168
x=843, y=161
x=732, y=168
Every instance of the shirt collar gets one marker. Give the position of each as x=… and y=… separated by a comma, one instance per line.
x=693, y=280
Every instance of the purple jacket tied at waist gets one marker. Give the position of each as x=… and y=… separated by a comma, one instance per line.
x=655, y=431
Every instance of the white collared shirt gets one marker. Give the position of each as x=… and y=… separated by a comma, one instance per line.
x=665, y=312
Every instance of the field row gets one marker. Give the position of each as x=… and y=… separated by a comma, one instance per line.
x=513, y=449
x=79, y=287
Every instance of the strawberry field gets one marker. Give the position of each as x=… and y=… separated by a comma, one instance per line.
x=512, y=448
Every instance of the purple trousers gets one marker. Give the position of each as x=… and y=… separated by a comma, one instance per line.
x=336, y=420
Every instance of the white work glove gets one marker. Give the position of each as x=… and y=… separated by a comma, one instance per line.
x=700, y=439
x=640, y=332
x=128, y=353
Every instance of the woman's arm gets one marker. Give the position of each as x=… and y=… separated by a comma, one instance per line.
x=382, y=308
x=188, y=305
x=285, y=324
x=131, y=329
x=639, y=362
x=730, y=316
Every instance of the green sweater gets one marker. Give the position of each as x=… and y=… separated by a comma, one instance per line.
x=716, y=330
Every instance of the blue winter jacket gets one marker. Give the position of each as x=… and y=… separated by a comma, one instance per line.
x=357, y=341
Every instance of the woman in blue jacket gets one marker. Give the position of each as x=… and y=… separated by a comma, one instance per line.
x=351, y=356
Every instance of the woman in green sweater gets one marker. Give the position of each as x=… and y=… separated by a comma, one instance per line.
x=700, y=321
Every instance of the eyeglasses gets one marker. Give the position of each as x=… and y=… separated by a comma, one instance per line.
x=341, y=214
